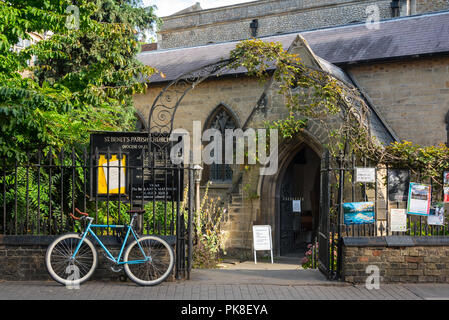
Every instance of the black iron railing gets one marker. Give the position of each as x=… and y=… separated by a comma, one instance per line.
x=37, y=195
x=388, y=191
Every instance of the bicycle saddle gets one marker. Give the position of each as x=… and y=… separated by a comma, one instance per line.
x=138, y=211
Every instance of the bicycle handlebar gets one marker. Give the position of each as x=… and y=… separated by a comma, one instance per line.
x=82, y=213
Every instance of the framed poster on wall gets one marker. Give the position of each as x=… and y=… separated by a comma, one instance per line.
x=418, y=199
x=398, y=220
x=436, y=214
x=365, y=175
x=358, y=212
x=111, y=175
x=398, y=184
x=446, y=178
x=446, y=193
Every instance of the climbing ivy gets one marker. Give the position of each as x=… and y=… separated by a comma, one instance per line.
x=315, y=94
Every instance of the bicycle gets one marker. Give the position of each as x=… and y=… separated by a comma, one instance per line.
x=72, y=258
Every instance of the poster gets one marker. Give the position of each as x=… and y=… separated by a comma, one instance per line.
x=436, y=214
x=358, y=212
x=365, y=174
x=113, y=178
x=418, y=199
x=446, y=177
x=398, y=184
x=262, y=237
x=398, y=220
x=446, y=194
x=446, y=186
x=262, y=240
x=296, y=205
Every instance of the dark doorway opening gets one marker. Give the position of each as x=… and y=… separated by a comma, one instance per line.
x=299, y=182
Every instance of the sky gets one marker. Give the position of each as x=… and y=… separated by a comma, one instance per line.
x=168, y=7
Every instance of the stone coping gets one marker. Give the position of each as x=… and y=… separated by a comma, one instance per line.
x=30, y=240
x=396, y=241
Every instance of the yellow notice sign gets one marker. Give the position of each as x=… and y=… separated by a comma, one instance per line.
x=114, y=177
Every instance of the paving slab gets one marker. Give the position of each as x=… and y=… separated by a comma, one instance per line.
x=430, y=291
x=186, y=290
x=283, y=272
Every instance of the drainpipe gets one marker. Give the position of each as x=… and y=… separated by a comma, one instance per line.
x=394, y=8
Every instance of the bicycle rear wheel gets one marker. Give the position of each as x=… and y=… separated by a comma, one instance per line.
x=69, y=271
x=157, y=268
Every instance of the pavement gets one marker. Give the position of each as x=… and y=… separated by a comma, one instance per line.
x=283, y=280
x=284, y=272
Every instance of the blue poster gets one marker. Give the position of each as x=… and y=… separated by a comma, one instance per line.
x=358, y=212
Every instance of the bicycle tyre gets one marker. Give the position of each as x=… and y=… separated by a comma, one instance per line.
x=61, y=249
x=154, y=271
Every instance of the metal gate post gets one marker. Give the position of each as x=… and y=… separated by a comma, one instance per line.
x=341, y=163
x=179, y=231
x=189, y=224
x=323, y=234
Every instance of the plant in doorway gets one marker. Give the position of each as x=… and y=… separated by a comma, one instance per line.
x=309, y=260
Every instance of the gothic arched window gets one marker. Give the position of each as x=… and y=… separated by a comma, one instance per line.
x=221, y=118
x=140, y=122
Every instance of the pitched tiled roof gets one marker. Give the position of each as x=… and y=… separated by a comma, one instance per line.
x=408, y=36
x=176, y=62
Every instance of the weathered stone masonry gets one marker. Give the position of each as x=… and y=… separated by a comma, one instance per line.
x=233, y=23
x=275, y=17
x=407, y=259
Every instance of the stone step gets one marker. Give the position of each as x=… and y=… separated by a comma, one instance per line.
x=235, y=209
x=236, y=199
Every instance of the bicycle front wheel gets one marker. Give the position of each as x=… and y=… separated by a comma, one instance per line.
x=60, y=265
x=159, y=264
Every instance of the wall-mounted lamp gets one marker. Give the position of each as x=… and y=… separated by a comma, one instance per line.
x=197, y=174
x=254, y=25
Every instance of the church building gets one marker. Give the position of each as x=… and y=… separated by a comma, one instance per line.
x=395, y=52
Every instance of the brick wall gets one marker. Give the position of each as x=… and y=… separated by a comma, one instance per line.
x=427, y=261
x=22, y=258
x=27, y=262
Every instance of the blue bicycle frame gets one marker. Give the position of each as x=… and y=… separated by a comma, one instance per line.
x=116, y=260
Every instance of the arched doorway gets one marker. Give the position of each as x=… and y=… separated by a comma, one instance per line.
x=307, y=148
x=299, y=182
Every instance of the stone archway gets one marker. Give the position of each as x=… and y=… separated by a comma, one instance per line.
x=270, y=186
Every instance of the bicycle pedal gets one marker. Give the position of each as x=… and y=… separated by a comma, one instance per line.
x=116, y=268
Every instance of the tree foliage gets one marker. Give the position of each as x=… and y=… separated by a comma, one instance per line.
x=83, y=78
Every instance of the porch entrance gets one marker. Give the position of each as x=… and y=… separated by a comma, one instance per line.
x=299, y=182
